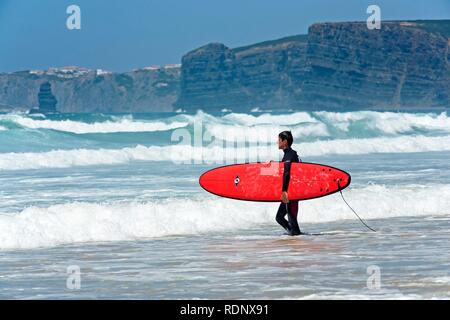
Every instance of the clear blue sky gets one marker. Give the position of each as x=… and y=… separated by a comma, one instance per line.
x=120, y=35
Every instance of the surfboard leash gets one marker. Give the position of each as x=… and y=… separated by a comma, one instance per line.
x=362, y=221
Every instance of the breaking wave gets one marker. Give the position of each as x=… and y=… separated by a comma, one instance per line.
x=122, y=124
x=218, y=154
x=78, y=222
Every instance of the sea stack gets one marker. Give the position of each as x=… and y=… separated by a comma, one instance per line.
x=47, y=101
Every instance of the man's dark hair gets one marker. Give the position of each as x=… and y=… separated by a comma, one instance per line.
x=286, y=135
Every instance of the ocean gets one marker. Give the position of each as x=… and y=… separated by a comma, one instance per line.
x=103, y=206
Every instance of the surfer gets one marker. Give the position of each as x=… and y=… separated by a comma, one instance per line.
x=287, y=207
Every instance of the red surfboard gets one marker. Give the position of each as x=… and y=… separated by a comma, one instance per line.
x=263, y=181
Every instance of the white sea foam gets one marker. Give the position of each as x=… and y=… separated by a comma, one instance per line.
x=78, y=222
x=124, y=124
x=266, y=118
x=384, y=122
x=264, y=133
x=241, y=126
x=303, y=124
x=82, y=222
x=179, y=153
x=441, y=280
x=388, y=122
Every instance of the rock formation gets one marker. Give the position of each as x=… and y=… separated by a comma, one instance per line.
x=403, y=65
x=335, y=66
x=47, y=101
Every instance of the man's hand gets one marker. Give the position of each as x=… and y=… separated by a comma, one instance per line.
x=284, y=197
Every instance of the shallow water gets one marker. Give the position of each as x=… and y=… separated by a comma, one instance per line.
x=412, y=254
x=78, y=191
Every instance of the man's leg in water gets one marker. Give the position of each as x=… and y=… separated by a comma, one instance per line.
x=280, y=217
x=292, y=216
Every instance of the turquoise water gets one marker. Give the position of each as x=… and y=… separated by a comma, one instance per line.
x=118, y=196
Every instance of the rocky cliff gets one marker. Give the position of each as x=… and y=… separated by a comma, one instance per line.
x=405, y=64
x=336, y=65
x=401, y=65
x=138, y=91
x=261, y=75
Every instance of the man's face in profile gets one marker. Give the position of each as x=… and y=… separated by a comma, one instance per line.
x=282, y=144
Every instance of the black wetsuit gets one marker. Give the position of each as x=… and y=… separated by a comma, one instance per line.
x=291, y=208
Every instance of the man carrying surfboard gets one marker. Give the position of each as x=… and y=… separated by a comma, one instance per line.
x=287, y=207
